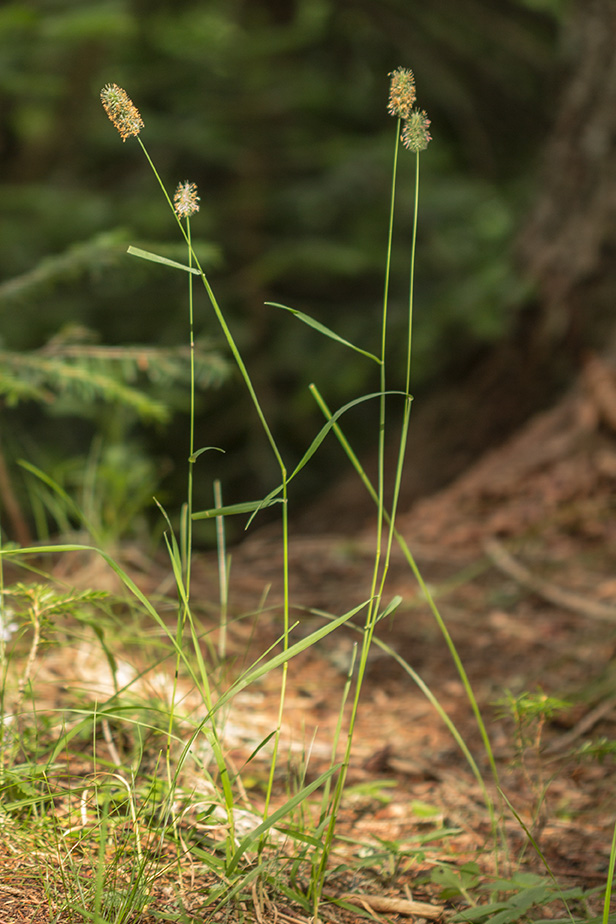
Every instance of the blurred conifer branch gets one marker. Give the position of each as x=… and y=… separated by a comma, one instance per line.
x=87, y=372
x=72, y=374
x=88, y=258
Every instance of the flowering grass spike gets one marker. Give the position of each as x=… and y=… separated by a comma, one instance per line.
x=415, y=134
x=402, y=92
x=185, y=200
x=121, y=110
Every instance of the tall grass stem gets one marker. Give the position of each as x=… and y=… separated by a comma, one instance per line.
x=223, y=575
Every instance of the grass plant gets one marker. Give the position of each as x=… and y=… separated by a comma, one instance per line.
x=130, y=779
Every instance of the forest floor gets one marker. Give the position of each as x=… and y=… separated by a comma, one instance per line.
x=519, y=553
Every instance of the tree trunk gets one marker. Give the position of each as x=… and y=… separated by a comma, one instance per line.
x=569, y=243
x=568, y=249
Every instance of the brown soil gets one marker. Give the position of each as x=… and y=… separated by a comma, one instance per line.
x=519, y=554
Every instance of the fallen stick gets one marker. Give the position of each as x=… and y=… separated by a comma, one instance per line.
x=503, y=560
x=394, y=905
x=585, y=724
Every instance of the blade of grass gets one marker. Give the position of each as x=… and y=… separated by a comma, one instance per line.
x=281, y=812
x=610, y=880
x=322, y=329
x=156, y=258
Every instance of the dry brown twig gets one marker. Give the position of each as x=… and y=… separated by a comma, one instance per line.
x=394, y=905
x=503, y=560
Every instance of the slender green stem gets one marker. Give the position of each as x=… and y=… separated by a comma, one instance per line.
x=186, y=525
x=383, y=384
x=375, y=597
x=397, y=485
x=285, y=644
x=223, y=324
x=407, y=383
x=223, y=577
x=283, y=470
x=191, y=450
x=410, y=559
x=390, y=517
x=610, y=881
x=409, y=352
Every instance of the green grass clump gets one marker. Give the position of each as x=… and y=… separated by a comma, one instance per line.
x=127, y=780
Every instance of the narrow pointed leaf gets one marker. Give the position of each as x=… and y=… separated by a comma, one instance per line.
x=259, y=670
x=232, y=509
x=195, y=455
x=324, y=330
x=61, y=493
x=390, y=608
x=156, y=258
x=317, y=442
x=271, y=820
x=330, y=423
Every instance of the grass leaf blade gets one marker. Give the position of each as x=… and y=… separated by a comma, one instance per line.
x=326, y=331
x=156, y=258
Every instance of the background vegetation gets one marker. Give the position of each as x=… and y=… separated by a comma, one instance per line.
x=277, y=110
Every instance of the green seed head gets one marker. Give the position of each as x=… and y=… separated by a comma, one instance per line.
x=415, y=134
x=185, y=200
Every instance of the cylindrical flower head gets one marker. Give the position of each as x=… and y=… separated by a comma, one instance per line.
x=185, y=200
x=415, y=134
x=402, y=93
x=121, y=110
